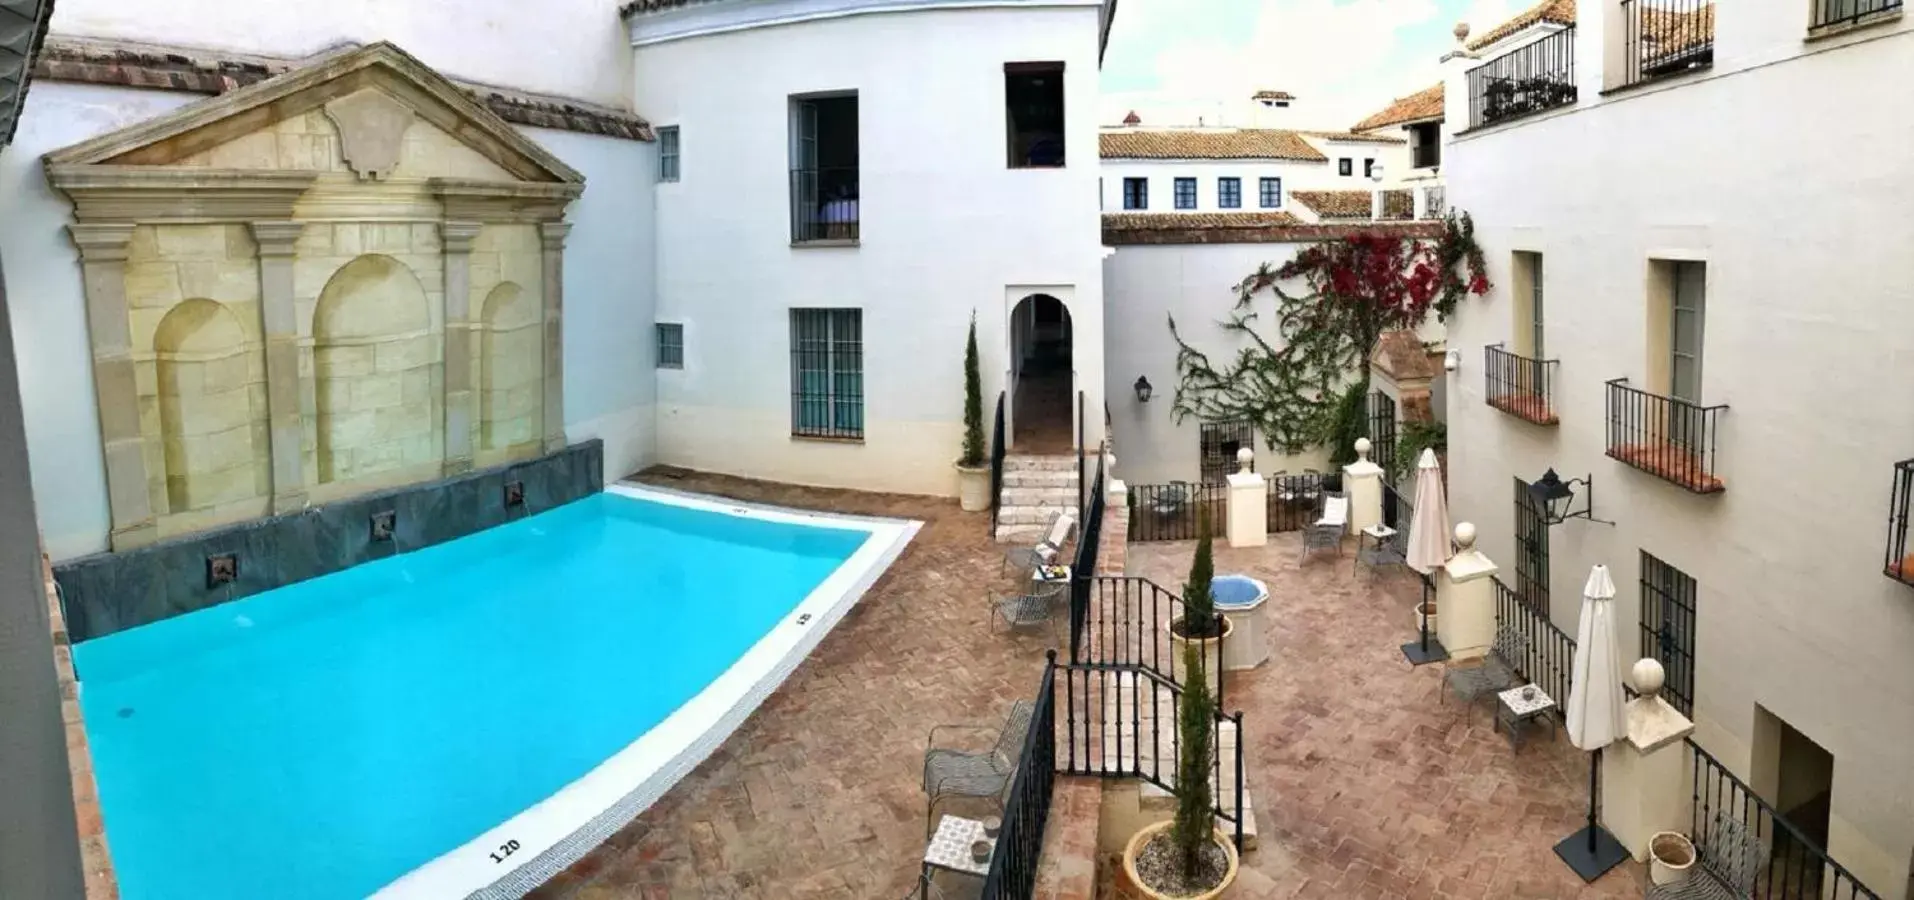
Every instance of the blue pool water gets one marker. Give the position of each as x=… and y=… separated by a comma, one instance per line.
x=323, y=739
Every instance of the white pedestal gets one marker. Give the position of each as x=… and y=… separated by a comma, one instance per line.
x=1248, y=510
x=1465, y=599
x=1362, y=480
x=1644, y=786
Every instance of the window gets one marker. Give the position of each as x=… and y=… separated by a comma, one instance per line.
x=824, y=184
x=1185, y=193
x=1531, y=549
x=1841, y=12
x=1136, y=193
x=1527, y=290
x=1218, y=443
x=1345, y=166
x=1272, y=193
x=668, y=153
x=827, y=373
x=1033, y=104
x=671, y=345
x=1427, y=138
x=1099, y=193
x=1229, y=193
x=1668, y=628
x=1684, y=369
x=1368, y=168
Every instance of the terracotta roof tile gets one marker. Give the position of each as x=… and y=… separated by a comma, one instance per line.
x=1353, y=137
x=1396, y=204
x=1248, y=143
x=1272, y=95
x=1420, y=106
x=1179, y=221
x=1553, y=12
x=636, y=7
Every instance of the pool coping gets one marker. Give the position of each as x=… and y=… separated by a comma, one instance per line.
x=558, y=830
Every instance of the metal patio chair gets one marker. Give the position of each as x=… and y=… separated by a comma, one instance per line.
x=1032, y=605
x=1327, y=531
x=1495, y=674
x=1025, y=559
x=1728, y=864
x=950, y=772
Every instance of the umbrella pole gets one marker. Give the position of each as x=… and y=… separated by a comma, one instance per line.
x=1419, y=652
x=1592, y=851
x=1594, y=788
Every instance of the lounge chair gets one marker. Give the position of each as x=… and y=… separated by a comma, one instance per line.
x=951, y=772
x=1025, y=559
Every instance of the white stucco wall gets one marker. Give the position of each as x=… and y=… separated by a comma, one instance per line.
x=1196, y=283
x=607, y=303
x=575, y=48
x=946, y=229
x=1807, y=278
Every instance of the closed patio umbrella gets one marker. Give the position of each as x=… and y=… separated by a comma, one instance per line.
x=1428, y=549
x=1596, y=716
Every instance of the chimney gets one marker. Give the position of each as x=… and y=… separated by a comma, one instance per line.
x=1132, y=120
x=1271, y=109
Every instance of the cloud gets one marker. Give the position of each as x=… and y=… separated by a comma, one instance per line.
x=1342, y=58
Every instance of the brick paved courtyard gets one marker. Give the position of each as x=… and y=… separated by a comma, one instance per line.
x=1365, y=786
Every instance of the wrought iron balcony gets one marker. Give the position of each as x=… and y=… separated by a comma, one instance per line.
x=1663, y=38
x=1522, y=387
x=1664, y=436
x=824, y=204
x=1834, y=13
x=1900, y=560
x=1529, y=79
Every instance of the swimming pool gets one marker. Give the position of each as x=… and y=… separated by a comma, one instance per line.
x=467, y=718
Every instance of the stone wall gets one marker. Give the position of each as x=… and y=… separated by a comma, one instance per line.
x=110, y=592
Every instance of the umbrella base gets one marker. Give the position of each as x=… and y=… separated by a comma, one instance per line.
x=1607, y=853
x=1420, y=654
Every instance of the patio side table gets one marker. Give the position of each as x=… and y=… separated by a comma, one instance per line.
x=949, y=848
x=1515, y=712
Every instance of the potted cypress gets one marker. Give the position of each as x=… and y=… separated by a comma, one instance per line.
x=1187, y=857
x=1199, y=627
x=973, y=476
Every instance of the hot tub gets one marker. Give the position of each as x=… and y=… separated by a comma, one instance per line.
x=1240, y=599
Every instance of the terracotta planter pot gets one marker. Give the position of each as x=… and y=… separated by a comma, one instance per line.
x=1670, y=857
x=1426, y=611
x=1205, y=647
x=1143, y=837
x=973, y=488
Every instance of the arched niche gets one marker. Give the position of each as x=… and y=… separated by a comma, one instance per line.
x=374, y=361
x=510, y=369
x=212, y=408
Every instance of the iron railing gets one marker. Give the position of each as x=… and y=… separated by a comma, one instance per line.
x=1789, y=865
x=1900, y=562
x=1531, y=548
x=1382, y=430
x=1830, y=13
x=1520, y=386
x=1435, y=202
x=1013, y=865
x=1529, y=79
x=1548, y=653
x=1397, y=509
x=1123, y=691
x=1082, y=504
x=824, y=204
x=996, y=464
x=1664, y=436
x=1089, y=542
x=1294, y=499
x=1398, y=205
x=1663, y=38
x=1174, y=511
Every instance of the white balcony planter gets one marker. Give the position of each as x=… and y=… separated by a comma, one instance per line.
x=973, y=488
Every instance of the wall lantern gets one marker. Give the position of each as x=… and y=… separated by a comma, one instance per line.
x=1555, y=497
x=1375, y=173
x=1143, y=389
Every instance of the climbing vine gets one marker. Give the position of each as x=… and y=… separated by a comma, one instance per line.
x=1303, y=379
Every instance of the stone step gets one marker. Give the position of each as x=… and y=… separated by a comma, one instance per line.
x=1020, y=534
x=1042, y=463
x=1040, y=478
x=1036, y=516
x=1061, y=498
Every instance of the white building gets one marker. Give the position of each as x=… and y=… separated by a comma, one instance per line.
x=1211, y=170
x=838, y=201
x=1698, y=246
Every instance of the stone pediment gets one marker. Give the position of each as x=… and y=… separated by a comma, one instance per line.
x=373, y=113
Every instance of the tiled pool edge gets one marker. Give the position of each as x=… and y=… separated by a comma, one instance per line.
x=95, y=860
x=454, y=873
x=109, y=592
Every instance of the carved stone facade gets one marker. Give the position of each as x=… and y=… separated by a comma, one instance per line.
x=340, y=279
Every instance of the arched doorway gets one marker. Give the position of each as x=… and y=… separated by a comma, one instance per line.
x=1042, y=376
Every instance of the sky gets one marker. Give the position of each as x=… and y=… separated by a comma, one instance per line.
x=1175, y=60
